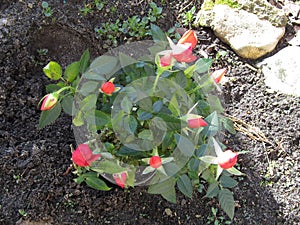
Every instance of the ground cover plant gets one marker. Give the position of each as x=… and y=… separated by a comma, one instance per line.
x=36, y=164
x=156, y=128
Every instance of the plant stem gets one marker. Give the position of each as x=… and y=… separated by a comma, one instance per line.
x=155, y=83
x=196, y=88
x=64, y=88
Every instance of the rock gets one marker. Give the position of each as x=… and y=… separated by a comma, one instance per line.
x=265, y=11
x=168, y=212
x=292, y=10
x=262, y=8
x=281, y=71
x=3, y=22
x=250, y=35
x=296, y=39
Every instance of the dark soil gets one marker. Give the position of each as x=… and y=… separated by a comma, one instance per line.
x=33, y=162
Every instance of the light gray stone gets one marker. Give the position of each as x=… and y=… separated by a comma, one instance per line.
x=246, y=34
x=250, y=35
x=296, y=39
x=281, y=71
x=265, y=11
x=262, y=8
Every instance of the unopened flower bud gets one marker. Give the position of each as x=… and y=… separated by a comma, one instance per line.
x=189, y=37
x=49, y=101
x=108, y=88
x=227, y=159
x=196, y=122
x=218, y=75
x=120, y=179
x=155, y=161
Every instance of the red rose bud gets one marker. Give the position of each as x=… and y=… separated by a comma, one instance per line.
x=218, y=75
x=120, y=179
x=197, y=122
x=227, y=159
x=155, y=161
x=183, y=53
x=166, y=60
x=49, y=101
x=108, y=88
x=189, y=37
x=83, y=155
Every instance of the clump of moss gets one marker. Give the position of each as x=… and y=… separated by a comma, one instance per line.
x=209, y=4
x=231, y=3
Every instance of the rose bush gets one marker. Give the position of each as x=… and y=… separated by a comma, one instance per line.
x=152, y=120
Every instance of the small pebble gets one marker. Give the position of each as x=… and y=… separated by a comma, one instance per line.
x=168, y=212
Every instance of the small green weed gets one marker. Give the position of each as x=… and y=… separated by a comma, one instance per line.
x=86, y=9
x=216, y=220
x=134, y=26
x=47, y=11
x=42, y=51
x=221, y=54
x=89, y=8
x=17, y=178
x=22, y=212
x=188, y=17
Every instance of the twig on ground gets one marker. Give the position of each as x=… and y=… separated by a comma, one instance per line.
x=254, y=133
x=68, y=170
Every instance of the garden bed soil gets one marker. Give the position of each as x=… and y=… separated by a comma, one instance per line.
x=36, y=187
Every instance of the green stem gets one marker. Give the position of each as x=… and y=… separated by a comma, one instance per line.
x=156, y=80
x=63, y=80
x=65, y=88
x=155, y=83
x=104, y=98
x=195, y=89
x=155, y=151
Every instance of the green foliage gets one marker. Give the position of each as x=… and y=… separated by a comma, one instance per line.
x=188, y=17
x=135, y=26
x=48, y=117
x=89, y=8
x=215, y=219
x=157, y=34
x=67, y=104
x=65, y=87
x=227, y=202
x=107, y=166
x=185, y=185
x=53, y=70
x=218, y=188
x=165, y=188
x=92, y=180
